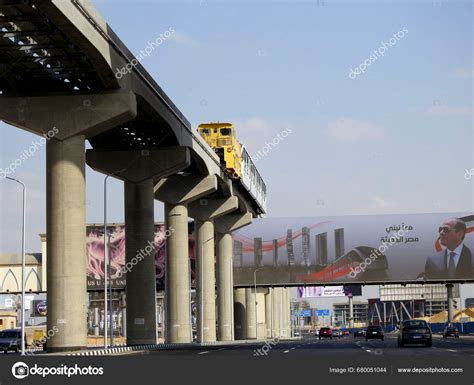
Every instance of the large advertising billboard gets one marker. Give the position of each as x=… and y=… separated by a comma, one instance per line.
x=355, y=249
x=95, y=255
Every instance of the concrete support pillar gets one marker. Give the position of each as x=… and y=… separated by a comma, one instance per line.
x=206, y=281
x=240, y=313
x=351, y=312
x=449, y=289
x=276, y=330
x=269, y=312
x=178, y=312
x=123, y=301
x=250, y=308
x=140, y=258
x=66, y=247
x=288, y=312
x=284, y=312
x=96, y=321
x=261, y=314
x=224, y=287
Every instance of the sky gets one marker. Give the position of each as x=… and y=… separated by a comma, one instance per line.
x=396, y=138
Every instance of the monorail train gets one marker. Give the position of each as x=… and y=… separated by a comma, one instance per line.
x=234, y=157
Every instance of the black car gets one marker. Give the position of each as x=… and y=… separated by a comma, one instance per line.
x=450, y=331
x=10, y=339
x=359, y=333
x=374, y=332
x=414, y=332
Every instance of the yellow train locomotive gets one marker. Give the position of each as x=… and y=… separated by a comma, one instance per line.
x=221, y=137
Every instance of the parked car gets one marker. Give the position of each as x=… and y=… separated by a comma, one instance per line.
x=359, y=333
x=374, y=332
x=345, y=332
x=10, y=339
x=337, y=333
x=450, y=331
x=414, y=332
x=325, y=332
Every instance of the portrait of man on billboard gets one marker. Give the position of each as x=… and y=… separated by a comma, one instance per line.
x=455, y=260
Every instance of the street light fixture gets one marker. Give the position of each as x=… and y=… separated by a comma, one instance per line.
x=22, y=265
x=255, y=299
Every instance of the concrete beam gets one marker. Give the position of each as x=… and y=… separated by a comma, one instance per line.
x=206, y=209
x=180, y=189
x=136, y=166
x=70, y=115
x=229, y=223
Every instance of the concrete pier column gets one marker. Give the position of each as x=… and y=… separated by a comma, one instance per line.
x=276, y=331
x=240, y=314
x=66, y=246
x=250, y=308
x=261, y=314
x=269, y=312
x=96, y=321
x=206, y=281
x=449, y=289
x=351, y=312
x=178, y=312
x=224, y=286
x=140, y=263
x=284, y=310
x=288, y=312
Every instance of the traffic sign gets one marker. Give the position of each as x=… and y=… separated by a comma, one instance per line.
x=322, y=312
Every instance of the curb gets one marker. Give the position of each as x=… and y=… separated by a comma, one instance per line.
x=123, y=349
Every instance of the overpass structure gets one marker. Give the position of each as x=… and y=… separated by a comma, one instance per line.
x=58, y=64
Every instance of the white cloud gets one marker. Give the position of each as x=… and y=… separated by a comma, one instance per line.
x=254, y=131
x=183, y=39
x=462, y=73
x=352, y=130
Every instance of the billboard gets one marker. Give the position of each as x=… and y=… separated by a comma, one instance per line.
x=328, y=291
x=40, y=308
x=95, y=255
x=355, y=249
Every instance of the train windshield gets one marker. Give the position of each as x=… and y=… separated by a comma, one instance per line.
x=226, y=131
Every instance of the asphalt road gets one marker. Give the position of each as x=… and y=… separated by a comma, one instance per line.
x=310, y=345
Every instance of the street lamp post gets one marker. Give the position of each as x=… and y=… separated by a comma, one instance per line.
x=105, y=261
x=22, y=264
x=255, y=300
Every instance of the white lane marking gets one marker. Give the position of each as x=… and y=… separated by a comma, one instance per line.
x=286, y=351
x=368, y=350
x=203, y=352
x=451, y=350
x=221, y=349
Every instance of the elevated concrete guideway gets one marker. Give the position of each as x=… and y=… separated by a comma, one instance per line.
x=58, y=61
